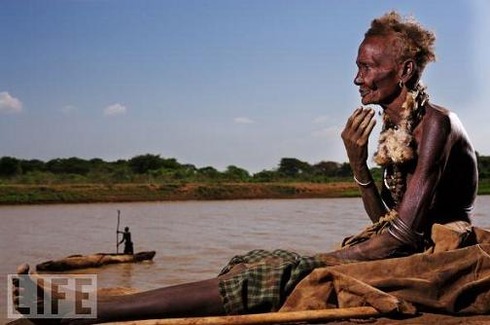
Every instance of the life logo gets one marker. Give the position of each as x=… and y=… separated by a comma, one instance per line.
x=53, y=296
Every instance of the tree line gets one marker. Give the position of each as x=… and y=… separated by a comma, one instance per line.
x=150, y=168
x=153, y=168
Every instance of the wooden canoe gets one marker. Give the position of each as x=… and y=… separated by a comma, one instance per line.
x=94, y=260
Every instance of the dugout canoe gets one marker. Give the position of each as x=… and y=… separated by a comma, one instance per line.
x=94, y=260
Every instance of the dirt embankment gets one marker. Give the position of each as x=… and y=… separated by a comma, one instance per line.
x=86, y=193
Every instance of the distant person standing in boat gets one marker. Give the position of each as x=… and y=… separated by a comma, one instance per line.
x=128, y=244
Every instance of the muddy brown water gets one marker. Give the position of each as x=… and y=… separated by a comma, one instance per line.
x=193, y=239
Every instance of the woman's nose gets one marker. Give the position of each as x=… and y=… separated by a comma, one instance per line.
x=358, y=79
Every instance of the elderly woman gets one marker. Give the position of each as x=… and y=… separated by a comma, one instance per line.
x=430, y=176
x=430, y=169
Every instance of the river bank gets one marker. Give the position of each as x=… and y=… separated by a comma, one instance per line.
x=95, y=193
x=99, y=193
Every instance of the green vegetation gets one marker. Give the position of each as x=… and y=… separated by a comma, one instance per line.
x=152, y=169
x=151, y=177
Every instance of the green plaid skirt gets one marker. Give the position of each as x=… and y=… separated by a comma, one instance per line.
x=260, y=280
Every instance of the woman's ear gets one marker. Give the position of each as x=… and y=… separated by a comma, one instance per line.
x=408, y=71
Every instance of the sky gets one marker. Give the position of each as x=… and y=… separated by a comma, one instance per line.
x=214, y=82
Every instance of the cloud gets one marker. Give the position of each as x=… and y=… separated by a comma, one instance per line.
x=243, y=120
x=321, y=119
x=68, y=109
x=115, y=109
x=9, y=104
x=329, y=132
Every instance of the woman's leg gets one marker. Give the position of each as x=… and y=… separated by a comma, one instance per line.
x=200, y=298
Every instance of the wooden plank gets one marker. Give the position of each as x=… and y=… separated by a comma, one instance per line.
x=265, y=318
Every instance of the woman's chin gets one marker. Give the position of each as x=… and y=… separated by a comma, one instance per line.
x=366, y=101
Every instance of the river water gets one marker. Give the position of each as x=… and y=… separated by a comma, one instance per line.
x=193, y=239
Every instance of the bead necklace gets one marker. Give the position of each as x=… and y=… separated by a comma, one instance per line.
x=396, y=145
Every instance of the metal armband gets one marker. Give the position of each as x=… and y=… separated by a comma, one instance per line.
x=401, y=231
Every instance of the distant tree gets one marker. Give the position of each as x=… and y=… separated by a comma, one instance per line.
x=96, y=162
x=483, y=166
x=327, y=168
x=71, y=165
x=345, y=170
x=266, y=176
x=234, y=173
x=119, y=162
x=209, y=173
x=97, y=166
x=183, y=173
x=170, y=163
x=55, y=166
x=33, y=165
x=10, y=166
x=293, y=167
x=144, y=163
x=189, y=168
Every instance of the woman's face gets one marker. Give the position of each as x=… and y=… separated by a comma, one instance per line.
x=378, y=73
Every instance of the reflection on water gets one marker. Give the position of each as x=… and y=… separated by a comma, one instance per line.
x=193, y=240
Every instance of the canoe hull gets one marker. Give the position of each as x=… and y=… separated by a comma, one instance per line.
x=74, y=262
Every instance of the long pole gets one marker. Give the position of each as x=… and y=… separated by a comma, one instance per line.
x=267, y=318
x=117, y=231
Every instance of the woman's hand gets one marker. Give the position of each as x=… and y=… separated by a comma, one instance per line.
x=380, y=246
x=356, y=135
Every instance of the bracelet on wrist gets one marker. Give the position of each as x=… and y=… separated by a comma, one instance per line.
x=361, y=183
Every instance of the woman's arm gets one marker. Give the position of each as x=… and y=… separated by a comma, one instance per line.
x=433, y=152
x=434, y=143
x=355, y=136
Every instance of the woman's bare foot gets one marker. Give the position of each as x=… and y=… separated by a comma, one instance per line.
x=23, y=291
x=29, y=296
